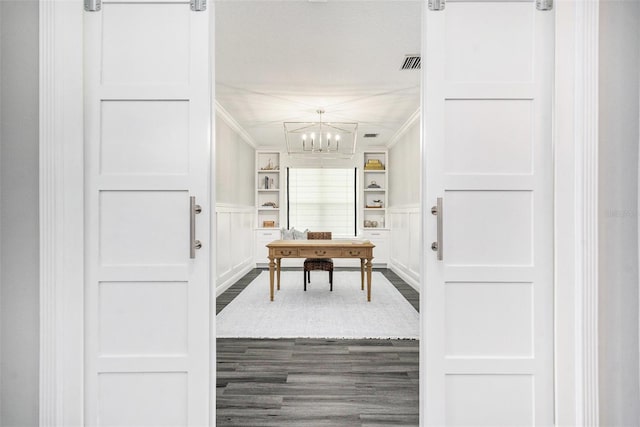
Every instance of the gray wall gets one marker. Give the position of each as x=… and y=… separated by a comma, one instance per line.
x=404, y=168
x=19, y=317
x=235, y=168
x=618, y=222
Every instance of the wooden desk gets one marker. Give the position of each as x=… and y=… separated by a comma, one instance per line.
x=279, y=249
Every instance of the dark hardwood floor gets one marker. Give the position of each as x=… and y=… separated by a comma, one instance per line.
x=317, y=382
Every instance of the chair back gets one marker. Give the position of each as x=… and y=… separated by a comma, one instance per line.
x=319, y=235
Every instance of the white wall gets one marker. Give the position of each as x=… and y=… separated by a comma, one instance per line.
x=404, y=205
x=19, y=276
x=235, y=167
x=404, y=168
x=618, y=221
x=235, y=193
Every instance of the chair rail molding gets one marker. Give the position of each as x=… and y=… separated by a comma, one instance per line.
x=61, y=213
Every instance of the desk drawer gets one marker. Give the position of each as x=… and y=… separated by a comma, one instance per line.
x=355, y=253
x=286, y=252
x=320, y=253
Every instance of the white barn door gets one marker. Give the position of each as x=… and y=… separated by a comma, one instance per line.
x=488, y=310
x=147, y=142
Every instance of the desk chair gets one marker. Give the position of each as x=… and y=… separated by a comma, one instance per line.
x=323, y=264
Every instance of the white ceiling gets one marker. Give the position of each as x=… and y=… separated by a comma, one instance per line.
x=280, y=61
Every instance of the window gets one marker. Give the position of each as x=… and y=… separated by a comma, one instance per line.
x=322, y=200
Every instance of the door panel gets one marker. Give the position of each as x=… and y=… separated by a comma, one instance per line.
x=489, y=42
x=146, y=43
x=489, y=302
x=489, y=400
x=144, y=137
x=147, y=130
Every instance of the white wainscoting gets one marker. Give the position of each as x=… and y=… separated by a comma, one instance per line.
x=235, y=241
x=404, y=257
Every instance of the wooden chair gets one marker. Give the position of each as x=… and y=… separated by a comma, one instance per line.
x=323, y=264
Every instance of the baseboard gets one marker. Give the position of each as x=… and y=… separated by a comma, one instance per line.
x=410, y=278
x=221, y=287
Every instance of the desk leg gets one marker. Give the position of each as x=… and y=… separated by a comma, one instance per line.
x=369, y=263
x=362, y=274
x=278, y=270
x=271, y=268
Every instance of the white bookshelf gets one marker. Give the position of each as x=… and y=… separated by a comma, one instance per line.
x=374, y=192
x=268, y=189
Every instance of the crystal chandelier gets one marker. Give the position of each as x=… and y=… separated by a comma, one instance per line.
x=327, y=139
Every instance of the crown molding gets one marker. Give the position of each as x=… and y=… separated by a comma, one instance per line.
x=404, y=128
x=228, y=119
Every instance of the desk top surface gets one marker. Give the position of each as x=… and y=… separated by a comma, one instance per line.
x=321, y=243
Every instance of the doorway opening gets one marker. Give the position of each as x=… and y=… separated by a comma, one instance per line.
x=281, y=62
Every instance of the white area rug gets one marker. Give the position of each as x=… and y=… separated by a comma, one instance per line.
x=319, y=313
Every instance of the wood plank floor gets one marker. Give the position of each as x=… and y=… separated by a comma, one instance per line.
x=316, y=382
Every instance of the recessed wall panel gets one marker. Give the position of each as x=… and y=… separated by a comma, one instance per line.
x=489, y=42
x=132, y=35
x=143, y=318
x=488, y=136
x=488, y=320
x=144, y=227
x=142, y=399
x=489, y=400
x=488, y=228
x=144, y=137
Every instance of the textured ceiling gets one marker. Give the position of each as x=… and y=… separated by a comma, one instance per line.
x=280, y=61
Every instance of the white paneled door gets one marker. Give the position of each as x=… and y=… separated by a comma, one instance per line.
x=489, y=300
x=147, y=142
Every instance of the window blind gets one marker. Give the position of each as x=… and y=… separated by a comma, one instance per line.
x=322, y=200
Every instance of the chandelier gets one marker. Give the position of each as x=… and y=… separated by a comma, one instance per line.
x=327, y=139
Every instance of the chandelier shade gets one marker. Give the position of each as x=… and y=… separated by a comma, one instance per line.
x=326, y=139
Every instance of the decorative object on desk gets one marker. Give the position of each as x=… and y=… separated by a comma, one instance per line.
x=286, y=234
x=268, y=224
x=374, y=164
x=373, y=184
x=326, y=139
x=270, y=205
x=266, y=182
x=300, y=235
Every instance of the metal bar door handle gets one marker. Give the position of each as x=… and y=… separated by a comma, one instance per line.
x=437, y=210
x=194, y=244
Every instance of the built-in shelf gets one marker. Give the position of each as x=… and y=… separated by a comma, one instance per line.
x=268, y=191
x=374, y=218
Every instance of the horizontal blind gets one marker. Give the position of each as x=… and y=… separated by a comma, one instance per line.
x=322, y=200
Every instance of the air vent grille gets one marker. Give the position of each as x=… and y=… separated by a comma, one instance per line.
x=411, y=62
x=370, y=135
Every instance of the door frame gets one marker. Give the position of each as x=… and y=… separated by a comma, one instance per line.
x=61, y=211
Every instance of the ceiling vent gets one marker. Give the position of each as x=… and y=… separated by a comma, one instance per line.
x=411, y=62
x=370, y=135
